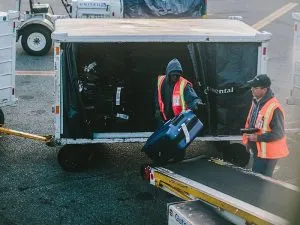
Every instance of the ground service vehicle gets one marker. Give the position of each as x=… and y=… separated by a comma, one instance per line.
x=106, y=75
x=36, y=25
x=294, y=97
x=7, y=60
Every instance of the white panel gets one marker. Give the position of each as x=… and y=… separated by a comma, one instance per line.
x=5, y=28
x=297, y=81
x=5, y=80
x=297, y=44
x=297, y=55
x=156, y=30
x=297, y=68
x=5, y=54
x=5, y=68
x=5, y=95
x=5, y=41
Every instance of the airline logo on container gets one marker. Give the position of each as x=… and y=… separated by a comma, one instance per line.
x=92, y=4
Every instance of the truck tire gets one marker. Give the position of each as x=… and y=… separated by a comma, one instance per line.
x=36, y=40
x=1, y=117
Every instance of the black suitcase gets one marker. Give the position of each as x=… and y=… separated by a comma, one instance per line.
x=171, y=140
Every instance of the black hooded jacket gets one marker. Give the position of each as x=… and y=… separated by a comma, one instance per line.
x=190, y=96
x=276, y=124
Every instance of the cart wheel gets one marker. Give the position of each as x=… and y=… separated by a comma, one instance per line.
x=1, y=117
x=74, y=158
x=36, y=40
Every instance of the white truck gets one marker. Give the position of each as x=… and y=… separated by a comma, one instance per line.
x=7, y=60
x=106, y=75
x=294, y=97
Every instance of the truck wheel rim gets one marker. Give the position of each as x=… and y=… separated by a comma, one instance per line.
x=36, y=41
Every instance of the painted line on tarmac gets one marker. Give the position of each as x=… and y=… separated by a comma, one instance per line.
x=35, y=73
x=275, y=15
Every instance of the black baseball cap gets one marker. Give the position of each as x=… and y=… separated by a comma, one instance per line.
x=261, y=80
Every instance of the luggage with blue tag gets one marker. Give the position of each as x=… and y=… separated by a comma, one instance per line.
x=171, y=140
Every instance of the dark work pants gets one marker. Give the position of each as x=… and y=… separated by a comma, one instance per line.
x=263, y=166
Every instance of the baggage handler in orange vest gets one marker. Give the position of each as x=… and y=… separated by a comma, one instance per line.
x=174, y=94
x=268, y=143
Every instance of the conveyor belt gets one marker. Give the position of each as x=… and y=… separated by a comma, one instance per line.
x=263, y=193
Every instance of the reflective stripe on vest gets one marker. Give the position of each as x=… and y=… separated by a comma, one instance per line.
x=244, y=138
x=160, y=102
x=182, y=86
x=178, y=102
x=266, y=127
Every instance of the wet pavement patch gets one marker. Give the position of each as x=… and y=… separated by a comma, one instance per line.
x=22, y=188
x=26, y=97
x=39, y=112
x=123, y=199
x=26, y=82
x=144, y=196
x=45, y=201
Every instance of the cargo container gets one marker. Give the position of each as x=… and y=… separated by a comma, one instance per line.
x=106, y=74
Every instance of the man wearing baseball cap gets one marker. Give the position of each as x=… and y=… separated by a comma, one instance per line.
x=266, y=115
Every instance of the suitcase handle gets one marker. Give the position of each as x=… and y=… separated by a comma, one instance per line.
x=177, y=120
x=190, y=124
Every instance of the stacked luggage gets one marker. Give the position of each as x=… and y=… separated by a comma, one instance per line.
x=105, y=99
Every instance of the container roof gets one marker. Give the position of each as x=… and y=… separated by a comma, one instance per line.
x=156, y=30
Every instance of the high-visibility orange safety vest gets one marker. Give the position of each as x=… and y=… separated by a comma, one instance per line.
x=269, y=150
x=178, y=103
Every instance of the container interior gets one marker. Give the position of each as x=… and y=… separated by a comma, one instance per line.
x=110, y=87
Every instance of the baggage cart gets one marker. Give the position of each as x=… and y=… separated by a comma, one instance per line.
x=114, y=60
